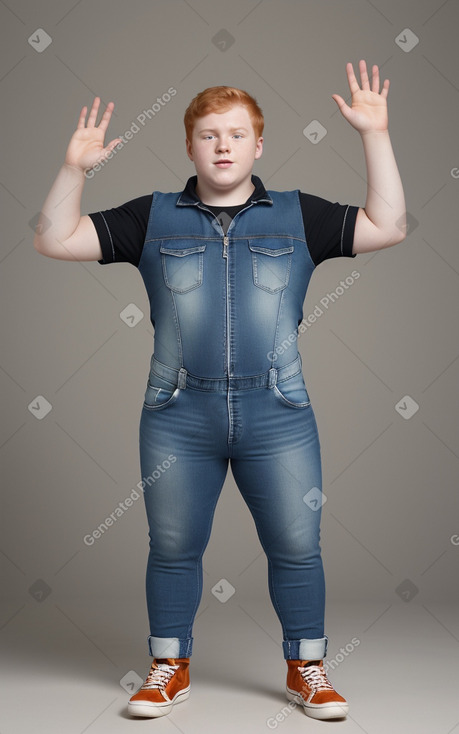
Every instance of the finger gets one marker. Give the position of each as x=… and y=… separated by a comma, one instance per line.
x=82, y=118
x=113, y=143
x=341, y=103
x=385, y=89
x=103, y=124
x=375, y=79
x=338, y=99
x=353, y=84
x=93, y=113
x=364, y=74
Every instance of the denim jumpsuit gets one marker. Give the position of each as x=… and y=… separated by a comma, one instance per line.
x=220, y=389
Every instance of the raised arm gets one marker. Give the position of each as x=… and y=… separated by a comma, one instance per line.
x=382, y=222
x=62, y=232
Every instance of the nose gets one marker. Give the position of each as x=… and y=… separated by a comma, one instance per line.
x=223, y=145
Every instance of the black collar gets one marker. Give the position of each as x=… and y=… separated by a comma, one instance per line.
x=189, y=197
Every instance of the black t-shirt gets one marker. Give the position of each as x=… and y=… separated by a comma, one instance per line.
x=329, y=228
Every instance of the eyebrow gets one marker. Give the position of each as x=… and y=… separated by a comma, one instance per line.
x=212, y=130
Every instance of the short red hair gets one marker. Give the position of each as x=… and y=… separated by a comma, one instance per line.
x=221, y=99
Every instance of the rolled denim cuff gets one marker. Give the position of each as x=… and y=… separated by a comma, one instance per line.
x=170, y=647
x=305, y=649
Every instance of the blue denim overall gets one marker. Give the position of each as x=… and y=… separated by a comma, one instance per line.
x=220, y=389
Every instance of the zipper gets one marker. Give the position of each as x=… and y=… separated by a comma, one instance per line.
x=225, y=256
x=228, y=335
x=228, y=346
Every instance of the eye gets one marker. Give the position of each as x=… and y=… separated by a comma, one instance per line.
x=238, y=135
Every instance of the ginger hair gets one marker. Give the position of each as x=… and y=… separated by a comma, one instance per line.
x=221, y=99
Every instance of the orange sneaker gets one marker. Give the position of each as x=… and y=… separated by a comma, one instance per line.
x=167, y=683
x=307, y=684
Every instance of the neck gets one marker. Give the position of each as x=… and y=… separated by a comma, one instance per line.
x=232, y=197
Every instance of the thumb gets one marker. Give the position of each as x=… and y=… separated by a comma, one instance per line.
x=344, y=108
x=111, y=145
x=339, y=100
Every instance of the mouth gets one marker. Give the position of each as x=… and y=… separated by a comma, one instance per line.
x=224, y=163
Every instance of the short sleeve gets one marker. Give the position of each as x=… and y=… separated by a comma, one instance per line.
x=329, y=227
x=122, y=230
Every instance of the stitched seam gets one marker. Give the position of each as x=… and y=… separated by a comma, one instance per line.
x=342, y=228
x=109, y=234
x=289, y=402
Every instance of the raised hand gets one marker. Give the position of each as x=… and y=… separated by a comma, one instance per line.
x=86, y=147
x=368, y=109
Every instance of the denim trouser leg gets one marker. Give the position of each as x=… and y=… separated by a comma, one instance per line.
x=187, y=439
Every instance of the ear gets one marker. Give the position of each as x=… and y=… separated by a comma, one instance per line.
x=259, y=148
x=189, y=149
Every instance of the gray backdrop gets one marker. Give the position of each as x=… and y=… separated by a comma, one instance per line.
x=381, y=361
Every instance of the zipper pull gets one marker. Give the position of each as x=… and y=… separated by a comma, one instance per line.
x=225, y=246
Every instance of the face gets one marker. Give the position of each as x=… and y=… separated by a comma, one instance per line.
x=223, y=149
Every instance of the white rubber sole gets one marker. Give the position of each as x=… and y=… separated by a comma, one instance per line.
x=333, y=710
x=152, y=710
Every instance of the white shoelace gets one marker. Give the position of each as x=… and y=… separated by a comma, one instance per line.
x=316, y=678
x=160, y=676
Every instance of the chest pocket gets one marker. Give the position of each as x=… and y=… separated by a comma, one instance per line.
x=183, y=265
x=271, y=263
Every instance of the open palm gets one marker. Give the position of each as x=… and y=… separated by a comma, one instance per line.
x=86, y=147
x=368, y=110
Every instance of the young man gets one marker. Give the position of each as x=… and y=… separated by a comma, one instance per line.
x=226, y=265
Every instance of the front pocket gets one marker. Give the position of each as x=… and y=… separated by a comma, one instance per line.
x=293, y=392
x=271, y=264
x=182, y=265
x=157, y=398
